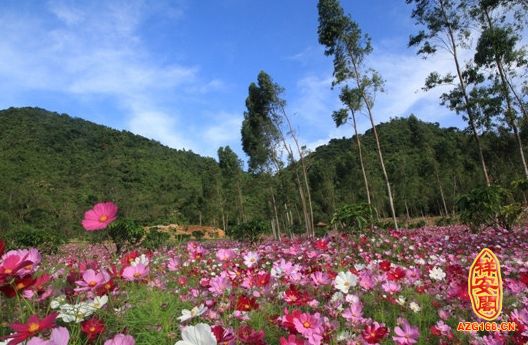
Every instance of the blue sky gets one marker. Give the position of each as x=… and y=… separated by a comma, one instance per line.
x=177, y=71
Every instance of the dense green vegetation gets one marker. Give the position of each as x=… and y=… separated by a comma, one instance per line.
x=54, y=167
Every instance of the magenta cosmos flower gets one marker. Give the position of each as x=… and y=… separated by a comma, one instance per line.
x=100, y=216
x=405, y=333
x=121, y=339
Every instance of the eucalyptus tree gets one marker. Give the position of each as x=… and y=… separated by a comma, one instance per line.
x=349, y=47
x=262, y=137
x=445, y=25
x=231, y=169
x=497, y=51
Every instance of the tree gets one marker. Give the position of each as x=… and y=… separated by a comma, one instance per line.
x=231, y=169
x=445, y=26
x=344, y=40
x=261, y=134
x=496, y=50
x=353, y=102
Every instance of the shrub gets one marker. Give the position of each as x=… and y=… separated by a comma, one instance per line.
x=249, y=231
x=125, y=232
x=198, y=234
x=155, y=239
x=419, y=224
x=483, y=207
x=182, y=237
x=510, y=215
x=27, y=236
x=356, y=217
x=444, y=221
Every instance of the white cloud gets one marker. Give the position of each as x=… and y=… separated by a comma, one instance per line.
x=84, y=49
x=404, y=74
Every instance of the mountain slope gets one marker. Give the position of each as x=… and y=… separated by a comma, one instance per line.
x=53, y=167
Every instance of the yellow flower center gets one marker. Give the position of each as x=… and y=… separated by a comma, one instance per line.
x=33, y=327
x=137, y=275
x=306, y=324
x=92, y=329
x=8, y=271
x=20, y=286
x=92, y=283
x=103, y=218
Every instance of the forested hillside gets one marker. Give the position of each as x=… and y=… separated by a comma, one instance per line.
x=53, y=167
x=423, y=160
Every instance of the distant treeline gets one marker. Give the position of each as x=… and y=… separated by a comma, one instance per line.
x=54, y=167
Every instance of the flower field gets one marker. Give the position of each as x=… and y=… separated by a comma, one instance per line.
x=402, y=287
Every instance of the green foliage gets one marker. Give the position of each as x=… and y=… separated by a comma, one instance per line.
x=54, y=167
x=510, y=215
x=155, y=239
x=444, y=221
x=197, y=234
x=125, y=232
x=481, y=206
x=417, y=225
x=356, y=217
x=250, y=231
x=27, y=236
x=260, y=131
x=182, y=237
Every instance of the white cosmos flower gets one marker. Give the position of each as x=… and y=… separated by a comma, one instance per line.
x=57, y=302
x=199, y=334
x=75, y=312
x=250, y=259
x=345, y=280
x=437, y=274
x=140, y=260
x=99, y=302
x=194, y=312
x=415, y=307
x=400, y=300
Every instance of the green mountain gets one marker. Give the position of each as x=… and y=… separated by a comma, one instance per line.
x=423, y=162
x=54, y=167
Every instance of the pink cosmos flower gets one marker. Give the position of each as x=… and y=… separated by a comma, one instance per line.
x=91, y=280
x=99, y=216
x=251, y=259
x=219, y=284
x=173, y=264
x=59, y=336
x=391, y=287
x=225, y=254
x=366, y=281
x=121, y=339
x=310, y=326
x=354, y=313
x=137, y=272
x=405, y=333
x=25, y=261
x=320, y=278
x=292, y=340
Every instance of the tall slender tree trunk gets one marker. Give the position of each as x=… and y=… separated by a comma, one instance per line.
x=274, y=204
x=376, y=137
x=469, y=111
x=510, y=113
x=441, y=192
x=240, y=202
x=361, y=163
x=310, y=220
